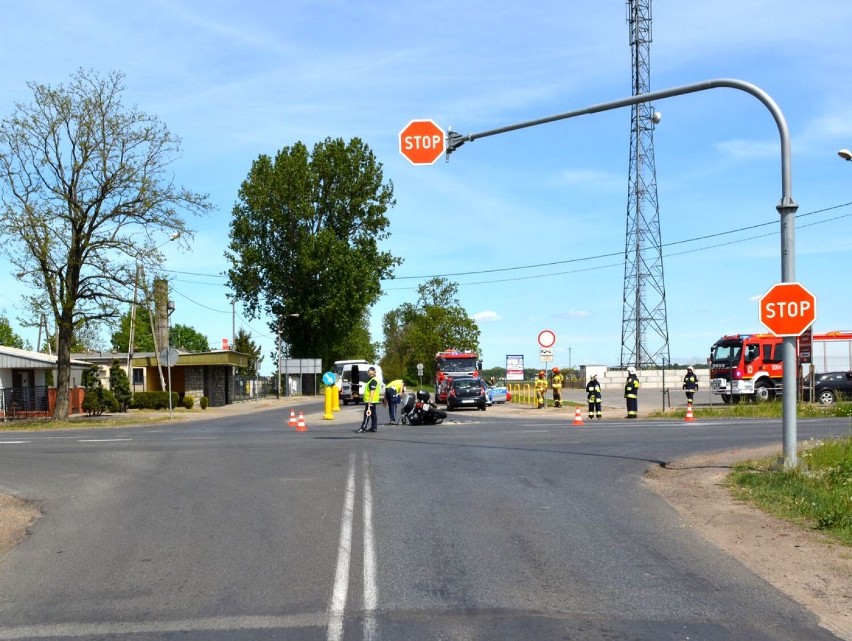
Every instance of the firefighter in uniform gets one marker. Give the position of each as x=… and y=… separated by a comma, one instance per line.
x=556, y=384
x=593, y=389
x=541, y=389
x=631, y=393
x=690, y=384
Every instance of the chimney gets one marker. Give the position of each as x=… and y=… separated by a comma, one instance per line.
x=161, y=314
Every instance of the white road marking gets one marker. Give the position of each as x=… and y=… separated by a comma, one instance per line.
x=102, y=440
x=344, y=555
x=12, y=442
x=371, y=594
x=212, y=624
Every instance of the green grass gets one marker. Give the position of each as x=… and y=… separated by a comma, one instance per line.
x=818, y=494
x=761, y=410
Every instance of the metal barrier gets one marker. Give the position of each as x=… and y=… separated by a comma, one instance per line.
x=24, y=402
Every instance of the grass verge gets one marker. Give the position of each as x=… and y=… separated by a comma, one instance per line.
x=817, y=495
x=771, y=409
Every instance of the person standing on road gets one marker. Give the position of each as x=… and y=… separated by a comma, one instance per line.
x=556, y=384
x=371, y=399
x=690, y=384
x=541, y=389
x=593, y=389
x=392, y=398
x=631, y=393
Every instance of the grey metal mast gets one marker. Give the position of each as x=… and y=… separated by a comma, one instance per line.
x=644, y=326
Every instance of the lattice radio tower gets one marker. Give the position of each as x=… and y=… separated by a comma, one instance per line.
x=644, y=327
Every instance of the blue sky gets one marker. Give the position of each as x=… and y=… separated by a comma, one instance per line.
x=238, y=81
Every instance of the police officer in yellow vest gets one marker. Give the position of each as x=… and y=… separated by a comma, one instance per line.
x=631, y=393
x=372, y=397
x=556, y=384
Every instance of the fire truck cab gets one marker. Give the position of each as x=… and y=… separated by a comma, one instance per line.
x=746, y=366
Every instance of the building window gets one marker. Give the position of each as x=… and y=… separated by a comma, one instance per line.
x=138, y=375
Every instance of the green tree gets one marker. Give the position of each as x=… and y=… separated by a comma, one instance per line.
x=245, y=345
x=304, y=239
x=143, y=339
x=120, y=386
x=181, y=336
x=414, y=333
x=88, y=186
x=96, y=399
x=188, y=338
x=7, y=335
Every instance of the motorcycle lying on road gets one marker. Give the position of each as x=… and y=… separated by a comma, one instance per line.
x=419, y=410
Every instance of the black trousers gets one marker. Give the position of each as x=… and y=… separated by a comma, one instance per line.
x=370, y=417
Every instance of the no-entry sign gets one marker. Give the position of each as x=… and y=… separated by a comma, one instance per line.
x=422, y=142
x=787, y=309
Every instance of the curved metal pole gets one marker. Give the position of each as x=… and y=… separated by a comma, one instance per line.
x=786, y=209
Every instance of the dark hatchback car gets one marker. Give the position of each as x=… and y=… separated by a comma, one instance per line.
x=831, y=387
x=465, y=391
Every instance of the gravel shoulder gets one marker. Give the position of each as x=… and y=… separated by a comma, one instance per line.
x=802, y=563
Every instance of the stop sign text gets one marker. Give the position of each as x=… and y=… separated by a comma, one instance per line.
x=421, y=142
x=787, y=309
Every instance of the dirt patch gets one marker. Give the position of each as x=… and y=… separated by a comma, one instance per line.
x=802, y=563
x=16, y=519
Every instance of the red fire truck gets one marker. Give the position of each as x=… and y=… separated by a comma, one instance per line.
x=750, y=365
x=454, y=362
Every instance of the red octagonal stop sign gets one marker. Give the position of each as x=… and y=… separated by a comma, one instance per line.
x=422, y=142
x=787, y=309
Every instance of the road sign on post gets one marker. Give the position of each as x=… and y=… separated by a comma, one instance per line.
x=787, y=309
x=546, y=338
x=422, y=142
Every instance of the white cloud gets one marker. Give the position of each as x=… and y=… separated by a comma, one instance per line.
x=487, y=317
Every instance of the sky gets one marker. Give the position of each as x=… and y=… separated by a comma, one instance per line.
x=530, y=224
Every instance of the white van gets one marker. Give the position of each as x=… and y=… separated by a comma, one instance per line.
x=352, y=379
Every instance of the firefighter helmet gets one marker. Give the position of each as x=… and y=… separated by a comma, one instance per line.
x=555, y=370
x=631, y=371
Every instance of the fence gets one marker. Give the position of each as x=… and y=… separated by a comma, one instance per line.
x=24, y=402
x=249, y=389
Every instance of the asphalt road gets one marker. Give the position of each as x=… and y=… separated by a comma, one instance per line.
x=486, y=527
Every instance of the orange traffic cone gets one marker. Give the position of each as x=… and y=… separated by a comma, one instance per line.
x=689, y=417
x=578, y=417
x=292, y=421
x=301, y=426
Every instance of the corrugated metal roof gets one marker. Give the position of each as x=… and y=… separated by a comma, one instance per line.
x=14, y=358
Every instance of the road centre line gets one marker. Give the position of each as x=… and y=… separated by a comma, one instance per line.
x=371, y=595
x=344, y=555
x=337, y=606
x=102, y=440
x=13, y=442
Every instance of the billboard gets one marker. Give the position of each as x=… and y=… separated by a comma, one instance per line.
x=514, y=367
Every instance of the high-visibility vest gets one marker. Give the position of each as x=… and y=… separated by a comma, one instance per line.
x=557, y=381
x=371, y=394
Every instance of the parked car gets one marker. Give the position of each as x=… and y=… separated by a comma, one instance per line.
x=498, y=394
x=466, y=391
x=831, y=387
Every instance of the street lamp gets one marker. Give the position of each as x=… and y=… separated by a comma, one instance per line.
x=278, y=328
x=845, y=154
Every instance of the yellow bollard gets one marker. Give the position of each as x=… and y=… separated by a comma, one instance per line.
x=335, y=398
x=329, y=402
